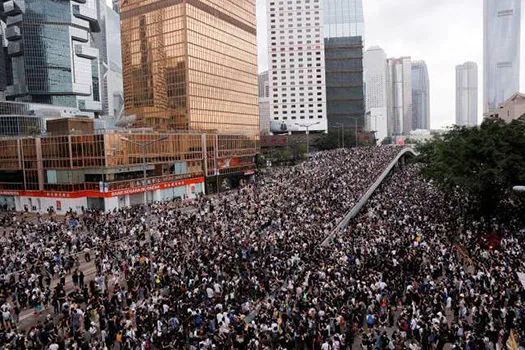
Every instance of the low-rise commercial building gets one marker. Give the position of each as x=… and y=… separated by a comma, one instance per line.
x=511, y=109
x=106, y=170
x=30, y=119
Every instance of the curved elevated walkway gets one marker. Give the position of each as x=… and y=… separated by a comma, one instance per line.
x=344, y=222
x=364, y=199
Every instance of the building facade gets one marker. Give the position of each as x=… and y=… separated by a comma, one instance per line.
x=467, y=94
x=420, y=96
x=501, y=51
x=6, y=73
x=105, y=170
x=191, y=65
x=399, y=95
x=116, y=6
x=344, y=82
x=107, y=41
x=296, y=66
x=52, y=55
x=29, y=119
x=264, y=103
x=376, y=91
x=511, y=109
x=343, y=18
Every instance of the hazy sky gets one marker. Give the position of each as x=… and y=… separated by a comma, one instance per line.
x=443, y=33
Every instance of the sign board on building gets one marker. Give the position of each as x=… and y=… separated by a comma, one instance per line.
x=105, y=193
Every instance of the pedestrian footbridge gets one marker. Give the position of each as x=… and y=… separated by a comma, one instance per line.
x=398, y=160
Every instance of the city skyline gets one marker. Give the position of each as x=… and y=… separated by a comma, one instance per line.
x=417, y=37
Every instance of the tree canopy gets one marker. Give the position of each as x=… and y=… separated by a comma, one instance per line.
x=483, y=162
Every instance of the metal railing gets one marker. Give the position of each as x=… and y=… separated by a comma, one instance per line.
x=61, y=187
x=11, y=186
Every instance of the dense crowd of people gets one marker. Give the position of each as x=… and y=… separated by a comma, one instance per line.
x=169, y=277
x=246, y=270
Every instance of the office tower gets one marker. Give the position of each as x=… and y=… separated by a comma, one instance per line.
x=376, y=91
x=6, y=74
x=343, y=40
x=191, y=65
x=344, y=81
x=467, y=94
x=501, y=51
x=420, y=96
x=399, y=95
x=264, y=103
x=343, y=18
x=51, y=51
x=296, y=66
x=107, y=41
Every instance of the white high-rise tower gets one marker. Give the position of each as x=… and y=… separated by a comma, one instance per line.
x=296, y=65
x=376, y=91
x=501, y=51
x=467, y=94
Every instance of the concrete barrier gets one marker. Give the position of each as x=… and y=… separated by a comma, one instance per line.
x=364, y=199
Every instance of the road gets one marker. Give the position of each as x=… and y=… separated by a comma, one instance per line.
x=28, y=317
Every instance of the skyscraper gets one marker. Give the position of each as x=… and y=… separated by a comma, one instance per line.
x=376, y=91
x=344, y=81
x=501, y=48
x=467, y=94
x=343, y=40
x=399, y=95
x=191, y=64
x=52, y=54
x=420, y=96
x=107, y=41
x=297, y=65
x=6, y=73
x=343, y=18
x=264, y=103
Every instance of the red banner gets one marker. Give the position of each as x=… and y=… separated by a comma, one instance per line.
x=97, y=194
x=9, y=193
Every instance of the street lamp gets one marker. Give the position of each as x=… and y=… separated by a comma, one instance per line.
x=307, y=126
x=144, y=146
x=355, y=126
x=519, y=189
x=342, y=132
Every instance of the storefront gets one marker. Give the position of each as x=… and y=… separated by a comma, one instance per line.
x=62, y=202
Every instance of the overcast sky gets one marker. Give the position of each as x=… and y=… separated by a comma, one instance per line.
x=443, y=33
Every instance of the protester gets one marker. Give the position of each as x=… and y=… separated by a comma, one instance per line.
x=245, y=269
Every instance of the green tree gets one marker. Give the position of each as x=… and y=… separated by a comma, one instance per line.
x=330, y=140
x=386, y=141
x=483, y=162
x=334, y=139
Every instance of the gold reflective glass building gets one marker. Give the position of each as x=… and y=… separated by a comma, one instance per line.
x=191, y=64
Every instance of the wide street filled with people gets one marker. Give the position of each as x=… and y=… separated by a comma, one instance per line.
x=246, y=269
